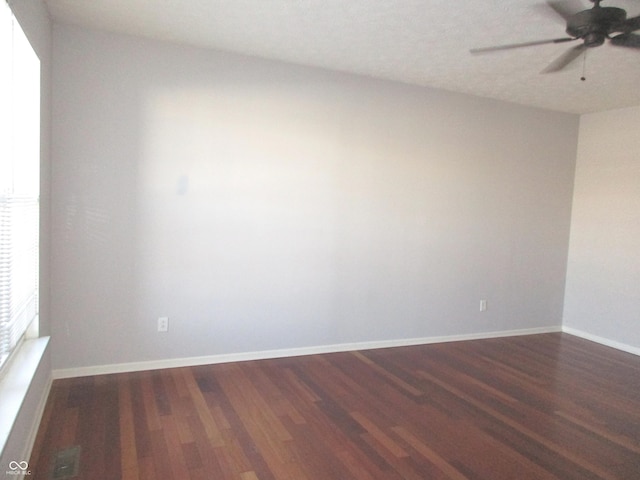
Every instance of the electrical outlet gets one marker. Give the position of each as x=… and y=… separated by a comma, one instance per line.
x=483, y=305
x=163, y=324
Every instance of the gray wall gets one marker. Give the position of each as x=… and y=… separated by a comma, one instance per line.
x=603, y=276
x=266, y=206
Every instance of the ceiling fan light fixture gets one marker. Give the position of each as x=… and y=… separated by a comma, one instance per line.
x=596, y=20
x=594, y=39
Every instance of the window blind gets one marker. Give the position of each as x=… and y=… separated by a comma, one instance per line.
x=19, y=183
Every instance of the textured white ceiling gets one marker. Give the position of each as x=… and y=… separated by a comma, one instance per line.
x=421, y=42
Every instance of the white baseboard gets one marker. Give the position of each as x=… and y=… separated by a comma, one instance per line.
x=603, y=341
x=282, y=353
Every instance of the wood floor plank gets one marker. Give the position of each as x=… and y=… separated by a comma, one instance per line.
x=280, y=405
x=49, y=439
x=140, y=426
x=149, y=400
x=353, y=466
x=175, y=453
x=430, y=454
x=385, y=372
x=241, y=436
x=162, y=460
x=200, y=404
x=205, y=448
x=379, y=435
x=128, y=458
x=311, y=455
x=540, y=407
x=91, y=430
x=266, y=431
x=548, y=442
x=251, y=475
x=148, y=469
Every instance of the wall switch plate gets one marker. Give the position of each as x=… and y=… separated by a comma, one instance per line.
x=483, y=305
x=163, y=324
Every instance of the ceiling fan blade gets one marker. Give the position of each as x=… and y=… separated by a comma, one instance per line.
x=565, y=59
x=566, y=8
x=631, y=24
x=520, y=45
x=630, y=40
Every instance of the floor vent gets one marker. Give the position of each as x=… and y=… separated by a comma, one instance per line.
x=66, y=463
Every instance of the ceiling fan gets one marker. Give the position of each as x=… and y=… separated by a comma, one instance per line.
x=593, y=26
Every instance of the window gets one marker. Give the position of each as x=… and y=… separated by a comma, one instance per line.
x=19, y=184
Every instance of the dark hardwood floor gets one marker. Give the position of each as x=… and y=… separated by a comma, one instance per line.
x=537, y=407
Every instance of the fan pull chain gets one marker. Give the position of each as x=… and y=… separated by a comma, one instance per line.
x=584, y=67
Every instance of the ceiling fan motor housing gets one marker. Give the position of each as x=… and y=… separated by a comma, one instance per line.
x=594, y=25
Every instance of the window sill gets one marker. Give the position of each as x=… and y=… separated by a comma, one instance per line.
x=15, y=384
